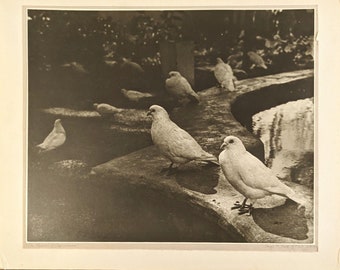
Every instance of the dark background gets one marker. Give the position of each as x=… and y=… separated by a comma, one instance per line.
x=98, y=39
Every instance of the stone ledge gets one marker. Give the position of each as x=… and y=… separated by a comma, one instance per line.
x=204, y=187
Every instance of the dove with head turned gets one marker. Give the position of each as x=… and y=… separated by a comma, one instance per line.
x=54, y=139
x=249, y=176
x=134, y=96
x=173, y=142
x=180, y=88
x=105, y=109
x=256, y=60
x=224, y=75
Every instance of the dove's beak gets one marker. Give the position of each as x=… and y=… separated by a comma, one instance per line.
x=148, y=113
x=223, y=145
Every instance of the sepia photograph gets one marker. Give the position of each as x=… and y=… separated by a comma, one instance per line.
x=171, y=126
x=169, y=135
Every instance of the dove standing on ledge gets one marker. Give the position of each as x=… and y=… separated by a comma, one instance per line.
x=134, y=96
x=106, y=109
x=173, y=142
x=224, y=75
x=249, y=176
x=56, y=138
x=256, y=60
x=180, y=88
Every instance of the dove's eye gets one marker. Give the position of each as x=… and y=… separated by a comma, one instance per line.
x=231, y=141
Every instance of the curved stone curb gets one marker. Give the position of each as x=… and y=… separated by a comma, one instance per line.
x=204, y=187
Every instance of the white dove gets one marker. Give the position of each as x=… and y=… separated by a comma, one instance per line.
x=249, y=176
x=224, y=75
x=76, y=67
x=134, y=95
x=173, y=142
x=56, y=138
x=256, y=60
x=179, y=87
x=134, y=67
x=105, y=109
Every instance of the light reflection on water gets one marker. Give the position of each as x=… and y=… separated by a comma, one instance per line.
x=287, y=132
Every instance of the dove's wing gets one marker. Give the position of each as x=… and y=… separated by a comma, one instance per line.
x=187, y=89
x=57, y=140
x=179, y=143
x=171, y=85
x=181, y=88
x=138, y=95
x=224, y=75
x=53, y=140
x=228, y=68
x=184, y=145
x=106, y=108
x=220, y=73
x=256, y=175
x=184, y=86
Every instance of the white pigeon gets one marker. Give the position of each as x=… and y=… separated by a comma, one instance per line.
x=105, y=109
x=56, y=138
x=134, y=95
x=180, y=88
x=173, y=142
x=249, y=176
x=133, y=67
x=76, y=67
x=256, y=60
x=224, y=75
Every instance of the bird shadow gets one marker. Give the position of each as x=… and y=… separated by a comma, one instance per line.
x=201, y=179
x=286, y=220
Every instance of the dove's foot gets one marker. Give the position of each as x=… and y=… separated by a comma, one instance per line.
x=241, y=206
x=169, y=170
x=237, y=205
x=246, y=210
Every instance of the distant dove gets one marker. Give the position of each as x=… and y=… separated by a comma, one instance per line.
x=234, y=59
x=249, y=176
x=106, y=109
x=53, y=140
x=134, y=96
x=179, y=87
x=224, y=75
x=76, y=67
x=173, y=142
x=256, y=60
x=133, y=67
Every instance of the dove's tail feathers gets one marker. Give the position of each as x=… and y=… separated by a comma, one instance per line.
x=296, y=198
x=215, y=162
x=194, y=97
x=210, y=158
x=41, y=149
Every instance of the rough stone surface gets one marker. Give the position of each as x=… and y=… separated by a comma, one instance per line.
x=204, y=187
